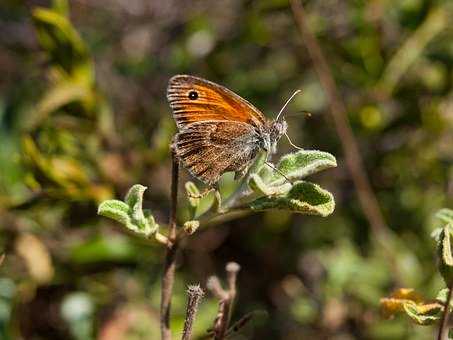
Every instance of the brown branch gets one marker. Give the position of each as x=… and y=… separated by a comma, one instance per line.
x=444, y=328
x=226, y=299
x=195, y=295
x=238, y=325
x=338, y=111
x=168, y=276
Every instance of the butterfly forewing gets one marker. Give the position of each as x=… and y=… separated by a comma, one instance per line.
x=218, y=130
x=194, y=99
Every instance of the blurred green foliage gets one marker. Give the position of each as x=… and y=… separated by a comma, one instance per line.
x=83, y=116
x=427, y=312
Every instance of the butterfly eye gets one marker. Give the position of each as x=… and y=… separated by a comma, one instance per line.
x=193, y=95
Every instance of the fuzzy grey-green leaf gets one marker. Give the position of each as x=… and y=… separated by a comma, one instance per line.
x=116, y=210
x=302, y=163
x=130, y=213
x=258, y=184
x=445, y=215
x=442, y=296
x=304, y=197
x=134, y=199
x=134, y=196
x=444, y=253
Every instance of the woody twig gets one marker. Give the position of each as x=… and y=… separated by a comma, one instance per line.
x=168, y=277
x=195, y=295
x=226, y=299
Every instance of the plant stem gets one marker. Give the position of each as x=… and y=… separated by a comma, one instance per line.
x=195, y=294
x=168, y=276
x=443, y=329
x=226, y=299
x=436, y=21
x=351, y=150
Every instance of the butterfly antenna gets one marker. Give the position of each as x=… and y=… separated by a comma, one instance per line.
x=286, y=104
x=281, y=173
x=306, y=113
x=292, y=144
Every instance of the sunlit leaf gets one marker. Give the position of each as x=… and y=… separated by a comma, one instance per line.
x=258, y=184
x=63, y=44
x=116, y=210
x=63, y=93
x=301, y=164
x=116, y=248
x=304, y=197
x=442, y=297
x=445, y=215
x=445, y=255
x=130, y=213
x=406, y=300
x=426, y=314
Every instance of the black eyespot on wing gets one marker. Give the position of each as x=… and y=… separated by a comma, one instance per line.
x=193, y=95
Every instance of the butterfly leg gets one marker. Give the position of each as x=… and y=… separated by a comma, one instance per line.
x=204, y=193
x=217, y=199
x=281, y=173
x=240, y=173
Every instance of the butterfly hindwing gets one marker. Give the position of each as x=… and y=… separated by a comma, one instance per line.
x=208, y=149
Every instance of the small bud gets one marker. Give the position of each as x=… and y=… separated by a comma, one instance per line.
x=232, y=267
x=191, y=226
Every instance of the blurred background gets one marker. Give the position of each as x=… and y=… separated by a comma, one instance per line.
x=83, y=116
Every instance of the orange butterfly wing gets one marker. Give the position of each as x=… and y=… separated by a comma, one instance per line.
x=194, y=99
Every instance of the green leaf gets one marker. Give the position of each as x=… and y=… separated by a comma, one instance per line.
x=271, y=183
x=63, y=44
x=445, y=215
x=423, y=314
x=134, y=199
x=301, y=164
x=436, y=233
x=130, y=213
x=104, y=248
x=445, y=254
x=304, y=197
x=413, y=304
x=63, y=93
x=61, y=6
x=258, y=184
x=442, y=296
x=116, y=210
x=193, y=194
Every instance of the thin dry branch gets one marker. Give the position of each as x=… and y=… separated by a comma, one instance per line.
x=444, y=327
x=338, y=111
x=436, y=21
x=226, y=298
x=195, y=295
x=168, y=276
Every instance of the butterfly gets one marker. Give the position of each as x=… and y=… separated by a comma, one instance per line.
x=218, y=131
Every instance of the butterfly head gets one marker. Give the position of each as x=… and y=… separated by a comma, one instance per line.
x=277, y=128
